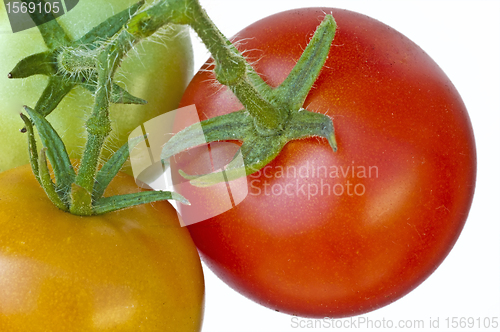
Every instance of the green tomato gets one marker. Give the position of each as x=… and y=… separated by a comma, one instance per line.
x=158, y=71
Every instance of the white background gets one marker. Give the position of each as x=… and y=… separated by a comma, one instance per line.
x=463, y=37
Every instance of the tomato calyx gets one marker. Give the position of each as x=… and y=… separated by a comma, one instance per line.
x=68, y=63
x=92, y=62
x=271, y=117
x=65, y=193
x=257, y=150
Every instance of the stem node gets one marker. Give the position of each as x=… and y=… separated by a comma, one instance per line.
x=232, y=74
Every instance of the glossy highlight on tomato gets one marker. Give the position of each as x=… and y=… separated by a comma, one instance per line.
x=324, y=234
x=132, y=270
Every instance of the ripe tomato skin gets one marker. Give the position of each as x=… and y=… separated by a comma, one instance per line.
x=157, y=71
x=396, y=115
x=134, y=270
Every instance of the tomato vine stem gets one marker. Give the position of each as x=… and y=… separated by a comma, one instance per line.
x=231, y=70
x=285, y=120
x=271, y=116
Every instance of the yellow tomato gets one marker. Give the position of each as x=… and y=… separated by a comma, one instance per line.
x=131, y=270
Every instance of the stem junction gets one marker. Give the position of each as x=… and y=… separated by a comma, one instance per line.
x=271, y=116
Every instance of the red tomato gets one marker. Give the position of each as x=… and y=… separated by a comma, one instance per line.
x=340, y=234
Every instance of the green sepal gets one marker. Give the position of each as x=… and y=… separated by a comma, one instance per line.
x=118, y=95
x=54, y=92
x=47, y=183
x=33, y=153
x=232, y=126
x=110, y=27
x=293, y=91
x=112, y=167
x=81, y=201
x=304, y=123
x=256, y=152
x=114, y=203
x=56, y=151
x=52, y=33
x=121, y=96
x=36, y=64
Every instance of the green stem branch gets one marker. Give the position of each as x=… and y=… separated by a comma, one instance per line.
x=271, y=117
x=232, y=70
